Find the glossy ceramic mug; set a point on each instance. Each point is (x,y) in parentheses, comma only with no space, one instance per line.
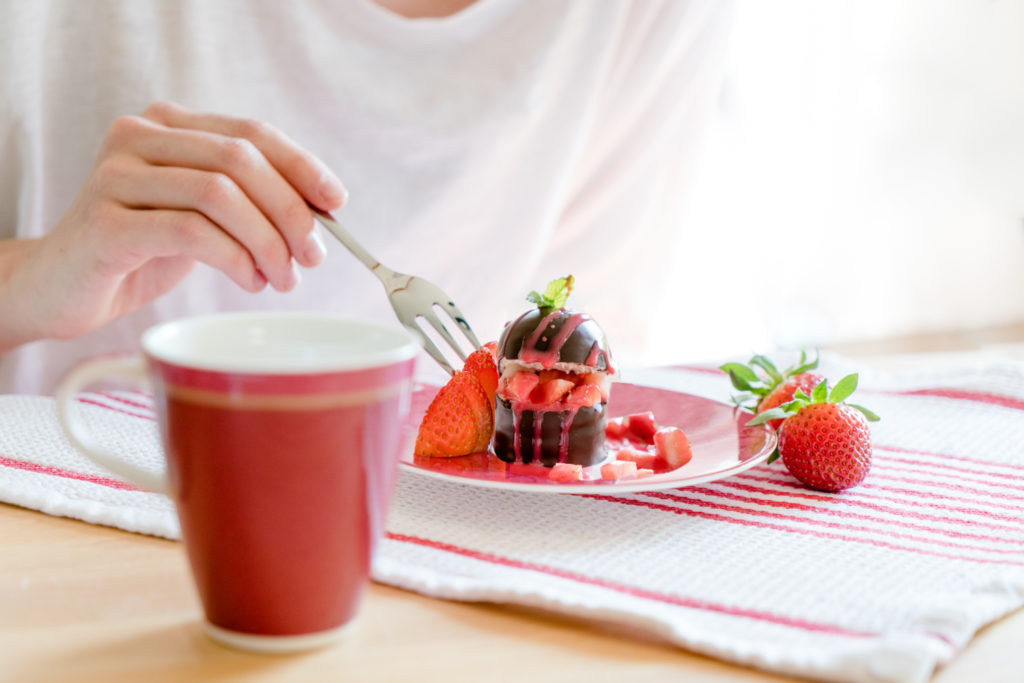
(282,433)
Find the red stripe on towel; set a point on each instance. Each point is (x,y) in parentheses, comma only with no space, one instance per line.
(961,395)
(797,530)
(914,497)
(779,517)
(128,401)
(679,601)
(844,514)
(94,402)
(67,474)
(848,500)
(943,459)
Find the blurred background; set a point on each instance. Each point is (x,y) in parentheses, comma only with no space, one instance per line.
(863,179)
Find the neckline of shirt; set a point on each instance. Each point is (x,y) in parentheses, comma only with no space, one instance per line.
(466,22)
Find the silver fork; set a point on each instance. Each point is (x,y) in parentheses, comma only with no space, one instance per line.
(411,297)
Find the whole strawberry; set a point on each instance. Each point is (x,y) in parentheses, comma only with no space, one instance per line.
(786,392)
(824,442)
(763,386)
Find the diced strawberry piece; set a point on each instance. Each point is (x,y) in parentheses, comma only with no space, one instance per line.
(629,453)
(492,348)
(615,428)
(600,380)
(551,391)
(520,385)
(585,395)
(564,471)
(641,458)
(642,426)
(619,469)
(673,445)
(481,365)
(644,473)
(548,375)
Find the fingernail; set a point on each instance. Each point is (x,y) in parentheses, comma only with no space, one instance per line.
(296,275)
(315,249)
(332,191)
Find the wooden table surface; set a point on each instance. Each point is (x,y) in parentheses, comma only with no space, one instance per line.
(80,602)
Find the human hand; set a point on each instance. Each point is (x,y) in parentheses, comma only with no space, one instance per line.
(170,188)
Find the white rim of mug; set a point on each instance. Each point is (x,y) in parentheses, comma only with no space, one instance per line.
(401,346)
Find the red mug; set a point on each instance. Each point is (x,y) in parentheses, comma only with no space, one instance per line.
(282,433)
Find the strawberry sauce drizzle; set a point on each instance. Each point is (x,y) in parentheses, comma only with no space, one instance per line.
(595,353)
(538,424)
(547,358)
(566,418)
(517,439)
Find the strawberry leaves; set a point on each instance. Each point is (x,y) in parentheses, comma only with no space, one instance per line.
(555,294)
(843,389)
(760,377)
(820,394)
(868,415)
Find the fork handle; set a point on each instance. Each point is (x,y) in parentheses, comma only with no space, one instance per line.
(343,235)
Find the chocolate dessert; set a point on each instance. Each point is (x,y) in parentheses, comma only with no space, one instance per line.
(552,397)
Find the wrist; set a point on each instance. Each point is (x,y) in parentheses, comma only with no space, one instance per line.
(17,311)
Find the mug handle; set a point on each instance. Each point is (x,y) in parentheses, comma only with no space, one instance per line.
(130,369)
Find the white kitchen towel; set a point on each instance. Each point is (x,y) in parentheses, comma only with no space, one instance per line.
(883,582)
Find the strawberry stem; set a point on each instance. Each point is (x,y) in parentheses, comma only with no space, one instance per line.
(820,394)
(760,376)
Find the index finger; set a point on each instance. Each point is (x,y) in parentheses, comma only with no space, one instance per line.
(303,171)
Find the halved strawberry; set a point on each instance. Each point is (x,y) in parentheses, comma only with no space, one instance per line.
(459,421)
(672,444)
(481,364)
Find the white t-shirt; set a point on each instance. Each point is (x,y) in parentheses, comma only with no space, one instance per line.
(489,151)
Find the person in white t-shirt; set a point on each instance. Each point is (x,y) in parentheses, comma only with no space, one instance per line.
(488,146)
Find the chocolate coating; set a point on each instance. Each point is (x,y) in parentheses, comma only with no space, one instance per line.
(586,436)
(586,344)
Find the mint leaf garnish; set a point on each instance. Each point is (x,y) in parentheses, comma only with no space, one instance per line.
(555,294)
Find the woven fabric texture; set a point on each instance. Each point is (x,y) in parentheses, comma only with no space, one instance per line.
(884,582)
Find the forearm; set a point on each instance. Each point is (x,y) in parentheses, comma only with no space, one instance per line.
(17,320)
